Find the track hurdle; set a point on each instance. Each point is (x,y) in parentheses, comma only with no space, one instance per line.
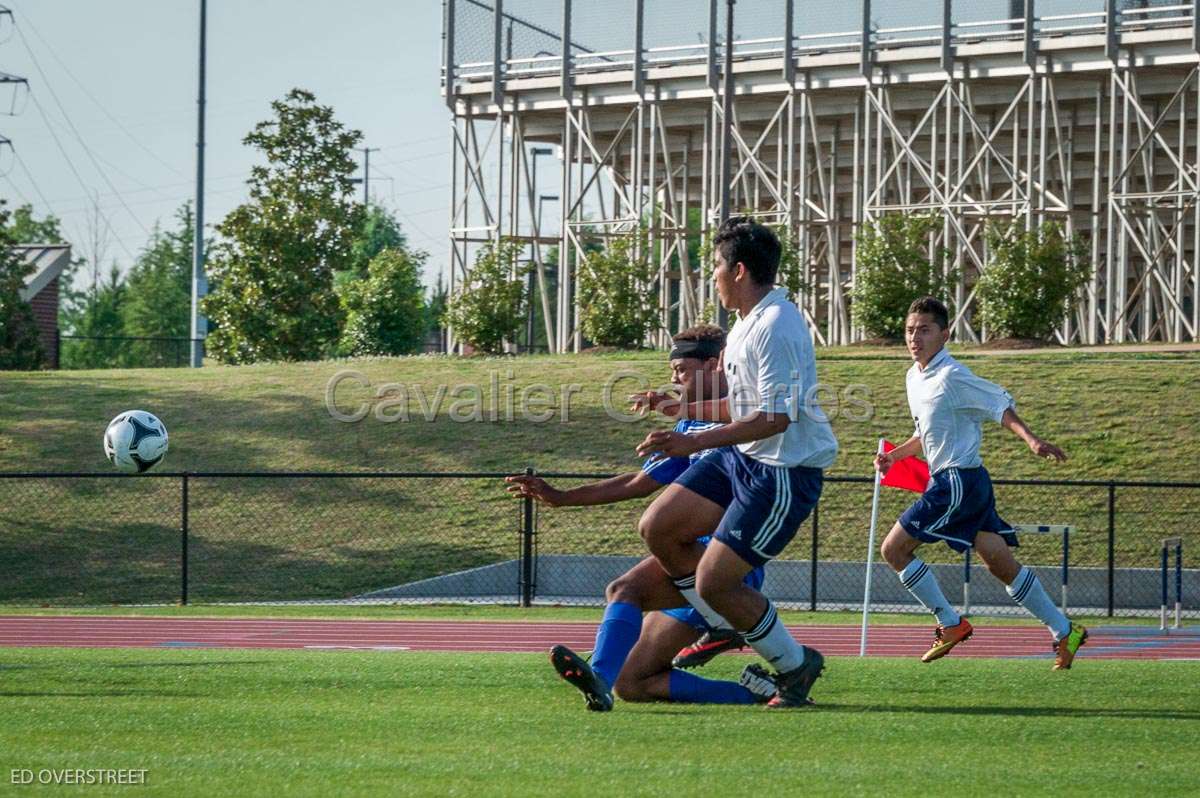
(1066,530)
(1167,545)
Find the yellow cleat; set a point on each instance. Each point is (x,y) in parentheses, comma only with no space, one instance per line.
(1064,650)
(946,638)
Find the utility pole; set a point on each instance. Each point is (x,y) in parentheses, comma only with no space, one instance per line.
(366,178)
(199,279)
(727,111)
(726,132)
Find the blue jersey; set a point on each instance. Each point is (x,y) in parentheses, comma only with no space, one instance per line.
(665,470)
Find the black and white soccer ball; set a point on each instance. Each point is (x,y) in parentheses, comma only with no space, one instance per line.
(135,441)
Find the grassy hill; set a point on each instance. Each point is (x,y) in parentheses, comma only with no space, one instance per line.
(1118,415)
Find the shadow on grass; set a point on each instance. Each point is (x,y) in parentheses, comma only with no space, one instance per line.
(272,560)
(104,694)
(1017,712)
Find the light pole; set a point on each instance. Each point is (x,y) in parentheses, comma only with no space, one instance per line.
(726,132)
(542,198)
(199,326)
(536,152)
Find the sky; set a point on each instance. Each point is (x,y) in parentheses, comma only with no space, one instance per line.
(105,137)
(116,84)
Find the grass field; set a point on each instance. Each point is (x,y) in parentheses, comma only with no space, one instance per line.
(80,541)
(369,723)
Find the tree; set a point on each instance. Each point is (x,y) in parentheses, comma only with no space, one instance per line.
(19,345)
(489,307)
(435,311)
(272,273)
(618,303)
(377,230)
(100,318)
(895,266)
(1031,279)
(158,301)
(385,313)
(27,230)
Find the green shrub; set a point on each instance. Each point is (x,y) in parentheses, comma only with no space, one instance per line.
(618,296)
(1031,280)
(489,308)
(894,268)
(385,312)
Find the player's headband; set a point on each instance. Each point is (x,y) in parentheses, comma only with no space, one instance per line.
(701,350)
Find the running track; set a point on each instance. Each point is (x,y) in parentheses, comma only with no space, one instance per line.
(1115,642)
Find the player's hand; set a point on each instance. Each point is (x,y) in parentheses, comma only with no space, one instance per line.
(667,443)
(883,462)
(536,488)
(1047,450)
(656,401)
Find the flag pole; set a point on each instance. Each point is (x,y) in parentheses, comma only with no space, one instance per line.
(862,643)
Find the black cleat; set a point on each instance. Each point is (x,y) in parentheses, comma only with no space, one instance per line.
(575,670)
(710,644)
(759,681)
(792,687)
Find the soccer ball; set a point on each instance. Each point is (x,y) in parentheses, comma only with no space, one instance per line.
(135,441)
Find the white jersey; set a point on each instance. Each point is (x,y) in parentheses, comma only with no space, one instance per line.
(948,405)
(770,367)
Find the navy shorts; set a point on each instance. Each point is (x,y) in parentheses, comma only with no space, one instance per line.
(957,503)
(694,619)
(764,504)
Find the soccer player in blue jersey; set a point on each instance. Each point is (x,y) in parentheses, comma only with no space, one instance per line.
(766,473)
(948,404)
(641,660)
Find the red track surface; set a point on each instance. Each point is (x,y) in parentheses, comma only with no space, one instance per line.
(518,636)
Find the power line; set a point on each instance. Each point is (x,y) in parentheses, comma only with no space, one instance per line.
(158,188)
(71,125)
(92,97)
(37,189)
(71,164)
(20,193)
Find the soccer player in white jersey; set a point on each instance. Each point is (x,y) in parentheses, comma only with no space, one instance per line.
(766,473)
(635,657)
(948,404)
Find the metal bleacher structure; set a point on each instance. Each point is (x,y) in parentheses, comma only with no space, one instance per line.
(1077,111)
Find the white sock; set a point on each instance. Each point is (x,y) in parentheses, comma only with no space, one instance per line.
(920,581)
(1027,591)
(773,643)
(687,586)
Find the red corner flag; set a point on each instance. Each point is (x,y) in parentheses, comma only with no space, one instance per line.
(907,474)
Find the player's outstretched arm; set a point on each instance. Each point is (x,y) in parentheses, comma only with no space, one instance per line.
(909,448)
(1012,422)
(633,485)
(677,444)
(670,406)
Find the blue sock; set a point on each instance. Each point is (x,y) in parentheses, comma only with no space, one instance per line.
(688,688)
(618,632)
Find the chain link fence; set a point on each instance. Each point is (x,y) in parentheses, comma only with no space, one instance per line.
(123,352)
(98,539)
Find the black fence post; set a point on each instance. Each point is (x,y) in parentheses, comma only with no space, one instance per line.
(526,597)
(183,546)
(1112,542)
(812,581)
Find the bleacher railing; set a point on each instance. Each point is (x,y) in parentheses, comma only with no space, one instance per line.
(501,40)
